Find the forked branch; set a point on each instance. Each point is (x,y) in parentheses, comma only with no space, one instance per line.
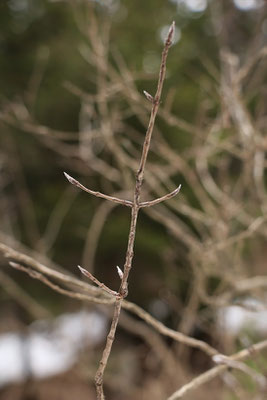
(136,205)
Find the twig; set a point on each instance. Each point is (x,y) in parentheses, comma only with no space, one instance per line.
(160,199)
(56,218)
(254,226)
(164,330)
(123,291)
(251,283)
(94,231)
(140,172)
(224,360)
(37,275)
(22,297)
(94,296)
(170,365)
(97,282)
(19,257)
(98,194)
(213,372)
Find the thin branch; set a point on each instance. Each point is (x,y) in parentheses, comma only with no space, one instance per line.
(19,257)
(74,182)
(160,199)
(99,377)
(252,283)
(253,227)
(164,330)
(56,218)
(22,297)
(140,172)
(97,282)
(31,127)
(221,359)
(123,291)
(94,296)
(37,275)
(213,372)
(170,365)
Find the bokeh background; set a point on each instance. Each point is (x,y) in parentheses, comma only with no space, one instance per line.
(72,75)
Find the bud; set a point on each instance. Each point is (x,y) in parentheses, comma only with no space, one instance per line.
(170,34)
(119,272)
(83,271)
(70,179)
(148,96)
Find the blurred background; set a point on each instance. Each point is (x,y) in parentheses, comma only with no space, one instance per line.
(72,75)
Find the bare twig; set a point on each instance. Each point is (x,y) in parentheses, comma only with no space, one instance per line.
(140,172)
(68,280)
(98,194)
(221,359)
(95,295)
(97,282)
(57,217)
(164,330)
(212,373)
(123,291)
(94,231)
(225,207)
(160,199)
(75,295)
(22,297)
(251,283)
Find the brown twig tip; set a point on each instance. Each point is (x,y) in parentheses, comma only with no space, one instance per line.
(14,264)
(148,96)
(83,271)
(70,179)
(160,199)
(170,36)
(178,189)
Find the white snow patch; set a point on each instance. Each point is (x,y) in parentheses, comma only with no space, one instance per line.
(49,348)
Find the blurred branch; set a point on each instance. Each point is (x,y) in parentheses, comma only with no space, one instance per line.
(96,296)
(22,297)
(218,370)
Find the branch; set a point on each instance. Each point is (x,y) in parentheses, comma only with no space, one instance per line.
(42,270)
(68,280)
(160,199)
(74,182)
(213,372)
(37,275)
(123,291)
(252,283)
(164,330)
(22,297)
(224,360)
(195,383)
(97,282)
